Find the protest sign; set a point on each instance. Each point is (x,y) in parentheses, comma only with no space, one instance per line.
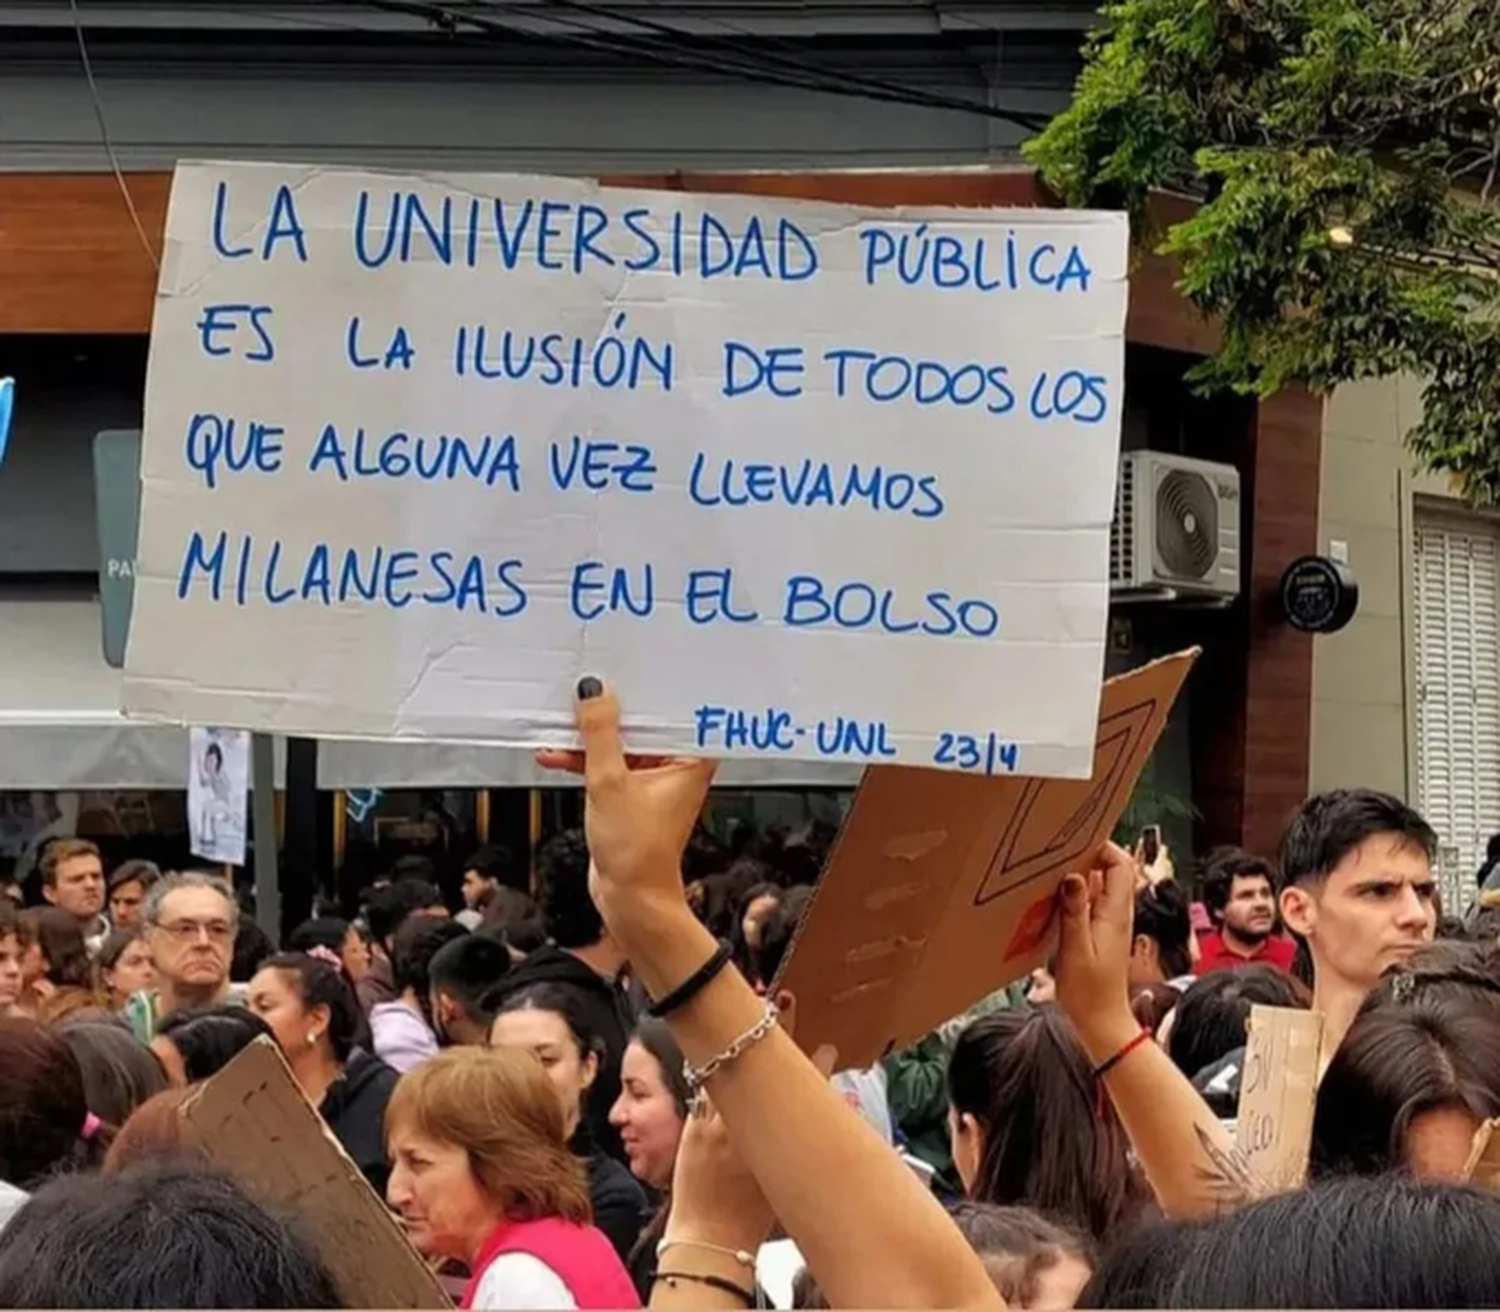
(941,888)
(253,1122)
(218,794)
(1278,1092)
(802,481)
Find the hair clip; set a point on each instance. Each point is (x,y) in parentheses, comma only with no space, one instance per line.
(1403,986)
(326,955)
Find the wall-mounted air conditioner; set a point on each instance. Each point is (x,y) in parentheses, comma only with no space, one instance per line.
(1177,527)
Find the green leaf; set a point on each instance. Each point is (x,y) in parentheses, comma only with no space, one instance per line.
(1296,120)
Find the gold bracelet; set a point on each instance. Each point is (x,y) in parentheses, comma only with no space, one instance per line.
(697,1077)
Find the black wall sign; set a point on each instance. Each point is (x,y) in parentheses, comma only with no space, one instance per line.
(1318,595)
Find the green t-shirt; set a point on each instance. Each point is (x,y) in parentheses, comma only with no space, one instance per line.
(142,1011)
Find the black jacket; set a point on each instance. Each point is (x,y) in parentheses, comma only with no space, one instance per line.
(607,1012)
(354,1108)
(616,1197)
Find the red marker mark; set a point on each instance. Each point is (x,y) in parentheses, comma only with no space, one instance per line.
(1031,933)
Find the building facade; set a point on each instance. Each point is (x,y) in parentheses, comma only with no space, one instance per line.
(857,103)
(1407,698)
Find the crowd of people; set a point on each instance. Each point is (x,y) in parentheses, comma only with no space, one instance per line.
(583,1090)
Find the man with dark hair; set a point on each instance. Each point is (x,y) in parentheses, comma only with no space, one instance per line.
(1357,889)
(388,909)
(73,879)
(462,976)
(401,1031)
(581,957)
(1161,952)
(1239,892)
(488,898)
(128,885)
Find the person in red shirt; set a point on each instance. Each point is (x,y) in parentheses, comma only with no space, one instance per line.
(1238,891)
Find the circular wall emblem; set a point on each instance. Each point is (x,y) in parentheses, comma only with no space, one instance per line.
(1318,595)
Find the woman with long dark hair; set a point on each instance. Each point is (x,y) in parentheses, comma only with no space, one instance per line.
(58,973)
(548,1021)
(650,1114)
(1418,1071)
(1029,1128)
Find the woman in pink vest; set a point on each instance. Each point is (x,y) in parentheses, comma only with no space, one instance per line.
(481,1172)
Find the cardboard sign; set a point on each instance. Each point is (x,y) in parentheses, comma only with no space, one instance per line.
(942,889)
(254,1123)
(803,481)
(1278,1093)
(1483,1168)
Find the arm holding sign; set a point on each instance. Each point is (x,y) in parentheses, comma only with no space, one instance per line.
(892,1246)
(1189,1157)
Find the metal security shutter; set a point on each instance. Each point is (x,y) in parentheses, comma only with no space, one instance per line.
(1457,595)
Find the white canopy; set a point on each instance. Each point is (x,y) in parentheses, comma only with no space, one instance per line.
(61,728)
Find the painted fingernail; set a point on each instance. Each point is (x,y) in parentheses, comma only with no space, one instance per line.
(589,688)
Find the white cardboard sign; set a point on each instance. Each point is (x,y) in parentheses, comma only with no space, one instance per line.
(799,480)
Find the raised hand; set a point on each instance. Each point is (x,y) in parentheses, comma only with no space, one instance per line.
(639,813)
(1093,954)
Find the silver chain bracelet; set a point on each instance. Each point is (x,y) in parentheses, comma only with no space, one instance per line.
(697,1077)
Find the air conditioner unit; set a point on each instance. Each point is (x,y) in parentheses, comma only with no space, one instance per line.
(1177,527)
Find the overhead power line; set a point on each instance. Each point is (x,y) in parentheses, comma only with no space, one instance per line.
(672,47)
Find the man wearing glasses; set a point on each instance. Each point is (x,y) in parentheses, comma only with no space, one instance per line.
(190,921)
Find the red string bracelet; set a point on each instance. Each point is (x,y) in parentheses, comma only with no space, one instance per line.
(1109,1063)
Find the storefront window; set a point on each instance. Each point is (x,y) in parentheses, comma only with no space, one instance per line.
(445,826)
(763,809)
(381,827)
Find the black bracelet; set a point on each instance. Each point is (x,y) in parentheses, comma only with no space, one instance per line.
(693,985)
(712,1282)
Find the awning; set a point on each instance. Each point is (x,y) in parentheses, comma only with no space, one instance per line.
(439,765)
(61,728)
(60,722)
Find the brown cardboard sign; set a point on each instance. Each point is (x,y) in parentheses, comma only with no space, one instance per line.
(254,1122)
(1278,1092)
(1483,1169)
(942,886)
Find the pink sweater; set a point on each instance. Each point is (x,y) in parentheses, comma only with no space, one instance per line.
(582,1257)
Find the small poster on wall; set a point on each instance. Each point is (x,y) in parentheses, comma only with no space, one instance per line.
(218,792)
